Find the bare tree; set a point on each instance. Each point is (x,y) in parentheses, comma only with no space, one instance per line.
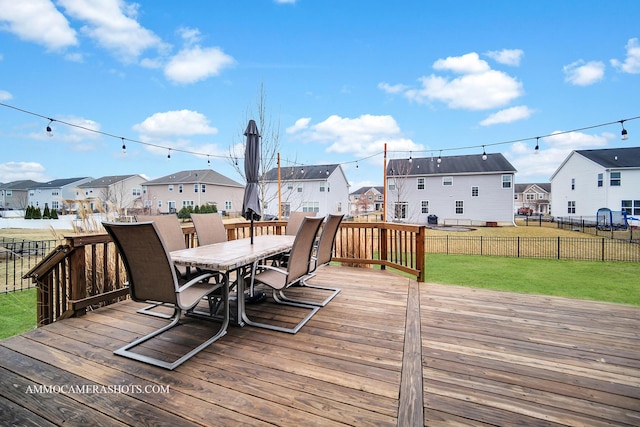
(399,173)
(269,143)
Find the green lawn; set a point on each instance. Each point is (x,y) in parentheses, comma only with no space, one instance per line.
(17,312)
(601,281)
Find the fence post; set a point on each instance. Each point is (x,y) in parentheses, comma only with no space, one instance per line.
(558,247)
(603,249)
(518,246)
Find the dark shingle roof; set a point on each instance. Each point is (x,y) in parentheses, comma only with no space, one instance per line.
(59,183)
(24,184)
(450,165)
(204,176)
(363,190)
(105,181)
(299,173)
(614,157)
(546,186)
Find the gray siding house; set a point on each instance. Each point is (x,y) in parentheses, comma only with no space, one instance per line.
(463,190)
(59,194)
(15,195)
(119,192)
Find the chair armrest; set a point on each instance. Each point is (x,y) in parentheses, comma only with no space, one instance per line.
(195,280)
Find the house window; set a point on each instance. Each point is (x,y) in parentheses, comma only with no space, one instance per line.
(299,188)
(195,188)
(615,179)
(187,203)
(203,188)
(392,184)
(9,193)
(573,183)
(571,206)
(339,206)
(310,206)
(171,187)
(425,206)
(506,181)
(147,203)
(600,179)
(144,189)
(447,180)
(631,207)
(531,196)
(159,203)
(420,183)
(459,207)
(356,197)
(136,192)
(227,205)
(55,205)
(541,196)
(322,187)
(180,188)
(289,186)
(475,191)
(286,210)
(400,209)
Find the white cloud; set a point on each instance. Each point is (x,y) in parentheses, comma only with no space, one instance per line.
(16,171)
(175,123)
(581,73)
(112,24)
(507,56)
(508,115)
(286,1)
(465,64)
(361,136)
(631,63)
(195,63)
(478,91)
(386,87)
(299,125)
(37,21)
(5,96)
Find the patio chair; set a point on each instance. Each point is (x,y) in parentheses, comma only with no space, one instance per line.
(279,279)
(152,278)
(209,228)
(294,222)
(171,231)
(322,257)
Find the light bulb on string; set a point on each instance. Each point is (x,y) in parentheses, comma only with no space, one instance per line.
(537,149)
(169,154)
(208,161)
(49,130)
(124,147)
(410,157)
(484,153)
(439,158)
(624,133)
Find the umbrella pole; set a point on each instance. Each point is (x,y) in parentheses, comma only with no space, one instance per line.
(251,232)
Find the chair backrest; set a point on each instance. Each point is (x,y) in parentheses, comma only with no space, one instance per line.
(327,239)
(295,221)
(300,255)
(169,228)
(209,228)
(147,260)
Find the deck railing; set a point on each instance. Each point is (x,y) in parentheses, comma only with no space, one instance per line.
(86,271)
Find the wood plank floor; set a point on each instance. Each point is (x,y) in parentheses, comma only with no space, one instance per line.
(386,351)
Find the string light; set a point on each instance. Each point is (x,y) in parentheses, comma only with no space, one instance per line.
(169,155)
(410,157)
(624,136)
(439,158)
(537,149)
(208,161)
(124,147)
(49,130)
(484,154)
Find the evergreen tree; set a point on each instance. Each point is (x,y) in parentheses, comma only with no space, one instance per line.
(47,213)
(54,214)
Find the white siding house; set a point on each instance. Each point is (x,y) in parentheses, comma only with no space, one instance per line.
(59,194)
(588,180)
(171,193)
(457,189)
(322,189)
(119,191)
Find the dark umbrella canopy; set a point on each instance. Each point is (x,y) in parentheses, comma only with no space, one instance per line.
(251,204)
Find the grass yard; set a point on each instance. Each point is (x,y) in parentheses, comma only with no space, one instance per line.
(595,280)
(17,312)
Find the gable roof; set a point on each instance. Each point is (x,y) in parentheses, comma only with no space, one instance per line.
(450,165)
(363,190)
(301,173)
(105,181)
(199,176)
(613,158)
(59,183)
(23,184)
(520,188)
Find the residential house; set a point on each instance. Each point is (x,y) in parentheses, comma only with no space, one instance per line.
(322,189)
(15,194)
(535,196)
(59,194)
(588,180)
(171,193)
(468,189)
(119,192)
(365,200)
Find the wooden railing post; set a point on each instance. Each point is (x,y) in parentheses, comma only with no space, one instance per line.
(383,244)
(77,276)
(421,256)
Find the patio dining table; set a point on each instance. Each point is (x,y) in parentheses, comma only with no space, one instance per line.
(234,255)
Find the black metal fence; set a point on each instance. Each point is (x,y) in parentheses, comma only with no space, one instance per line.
(579,248)
(18,256)
(583,224)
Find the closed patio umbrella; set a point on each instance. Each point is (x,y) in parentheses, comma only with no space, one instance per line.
(251,203)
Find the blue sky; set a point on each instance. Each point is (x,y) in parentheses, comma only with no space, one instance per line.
(341,79)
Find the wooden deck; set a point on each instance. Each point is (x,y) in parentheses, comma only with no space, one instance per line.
(385,351)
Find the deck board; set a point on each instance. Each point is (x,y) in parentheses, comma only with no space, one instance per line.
(386,351)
